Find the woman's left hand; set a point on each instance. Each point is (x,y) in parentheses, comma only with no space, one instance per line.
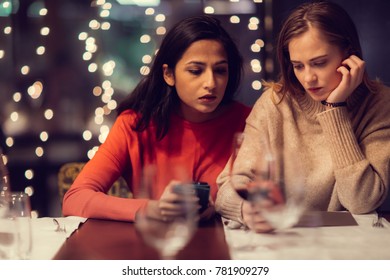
(352,71)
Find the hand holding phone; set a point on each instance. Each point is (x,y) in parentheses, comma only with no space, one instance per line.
(200,189)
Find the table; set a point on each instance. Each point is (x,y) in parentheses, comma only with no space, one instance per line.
(114,240)
(341,236)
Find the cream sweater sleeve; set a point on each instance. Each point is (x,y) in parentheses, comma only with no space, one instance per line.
(360,154)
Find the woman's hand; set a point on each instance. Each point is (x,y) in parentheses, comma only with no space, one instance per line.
(169,206)
(352,71)
(253,219)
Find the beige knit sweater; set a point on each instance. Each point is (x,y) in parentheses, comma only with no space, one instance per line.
(343,153)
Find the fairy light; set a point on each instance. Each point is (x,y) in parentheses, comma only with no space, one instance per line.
(92,152)
(234,19)
(87,56)
(99,119)
(256,85)
(44,136)
(6,4)
(25,70)
(29,190)
(43,12)
(99,111)
(161,30)
(149,11)
(7,30)
(109,91)
(83,36)
(14,116)
(2,53)
(92,67)
(29,174)
(106,84)
(105,25)
(146,59)
(40,50)
(145,39)
(103,133)
(144,70)
(105,13)
(9,141)
(256,65)
(107,6)
(45,31)
(94,24)
(17,96)
(209,10)
(160,18)
(39,151)
(112,105)
(253,23)
(97,91)
(35,90)
(48,114)
(87,135)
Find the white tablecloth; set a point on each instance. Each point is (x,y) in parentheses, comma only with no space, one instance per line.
(330,243)
(46,240)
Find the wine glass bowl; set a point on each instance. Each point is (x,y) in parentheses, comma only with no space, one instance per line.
(279,188)
(167,237)
(273,186)
(170,234)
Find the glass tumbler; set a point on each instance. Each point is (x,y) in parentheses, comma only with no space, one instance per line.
(21,214)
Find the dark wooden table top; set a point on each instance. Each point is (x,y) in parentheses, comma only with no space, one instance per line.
(113,240)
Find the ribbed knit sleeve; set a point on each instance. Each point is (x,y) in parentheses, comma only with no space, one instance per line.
(228,203)
(358,140)
(337,128)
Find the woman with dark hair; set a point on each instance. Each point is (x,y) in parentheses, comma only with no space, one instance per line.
(325,112)
(182,114)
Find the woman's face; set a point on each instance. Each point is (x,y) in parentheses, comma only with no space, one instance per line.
(315,62)
(200,78)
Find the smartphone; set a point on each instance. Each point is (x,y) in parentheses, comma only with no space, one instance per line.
(202,191)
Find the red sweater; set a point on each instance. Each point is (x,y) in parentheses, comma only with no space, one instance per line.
(201,149)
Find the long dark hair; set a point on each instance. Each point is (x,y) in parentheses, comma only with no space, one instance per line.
(152,98)
(336,25)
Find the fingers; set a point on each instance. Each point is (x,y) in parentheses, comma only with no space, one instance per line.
(177,200)
(254,220)
(352,72)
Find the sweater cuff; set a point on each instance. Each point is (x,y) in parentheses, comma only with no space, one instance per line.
(230,204)
(341,138)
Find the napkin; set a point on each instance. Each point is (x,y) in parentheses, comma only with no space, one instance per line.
(46,240)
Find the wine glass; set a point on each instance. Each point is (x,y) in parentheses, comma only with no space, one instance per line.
(280,185)
(169,236)
(240,181)
(21,214)
(261,180)
(7,227)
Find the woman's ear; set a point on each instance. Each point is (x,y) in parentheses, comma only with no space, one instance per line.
(169,77)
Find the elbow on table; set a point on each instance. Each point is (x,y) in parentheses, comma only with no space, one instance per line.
(70,205)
